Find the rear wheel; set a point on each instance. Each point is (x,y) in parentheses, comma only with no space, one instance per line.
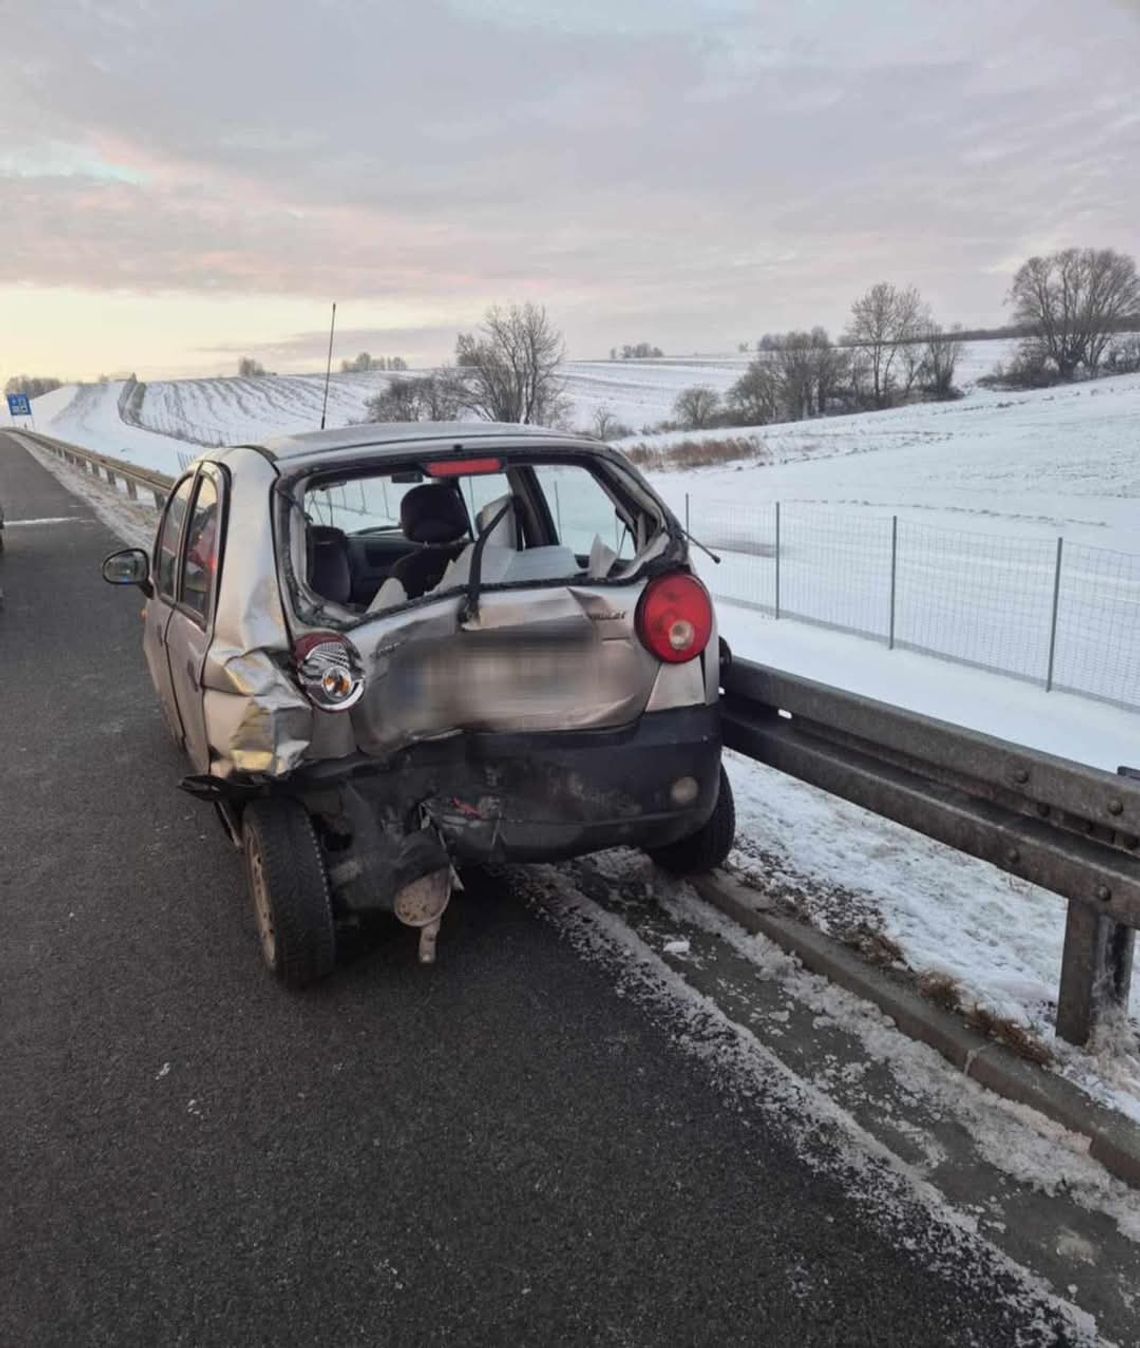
(287,882)
(709,846)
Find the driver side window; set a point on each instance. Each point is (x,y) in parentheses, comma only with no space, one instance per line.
(170,538)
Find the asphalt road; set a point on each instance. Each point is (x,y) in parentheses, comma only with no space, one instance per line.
(502,1149)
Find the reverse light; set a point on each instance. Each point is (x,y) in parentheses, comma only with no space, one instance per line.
(329,671)
(675,618)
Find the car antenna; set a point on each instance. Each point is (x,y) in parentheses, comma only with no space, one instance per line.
(707,551)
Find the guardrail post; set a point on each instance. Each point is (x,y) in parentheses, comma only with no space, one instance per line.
(894,575)
(132,490)
(1096,971)
(159,498)
(777,559)
(1053,624)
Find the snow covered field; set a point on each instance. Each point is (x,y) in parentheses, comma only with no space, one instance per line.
(225,411)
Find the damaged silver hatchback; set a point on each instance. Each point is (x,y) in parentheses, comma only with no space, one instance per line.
(390,650)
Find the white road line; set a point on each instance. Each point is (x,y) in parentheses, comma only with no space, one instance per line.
(49,519)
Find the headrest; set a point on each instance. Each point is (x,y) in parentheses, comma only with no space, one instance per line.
(504,534)
(433,513)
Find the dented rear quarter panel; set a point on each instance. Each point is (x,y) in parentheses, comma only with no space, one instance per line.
(561,657)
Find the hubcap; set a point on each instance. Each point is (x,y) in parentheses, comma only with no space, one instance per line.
(260,890)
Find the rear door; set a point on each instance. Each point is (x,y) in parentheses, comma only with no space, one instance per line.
(192,617)
(156,615)
(538,657)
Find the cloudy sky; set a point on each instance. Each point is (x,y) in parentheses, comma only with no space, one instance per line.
(183,181)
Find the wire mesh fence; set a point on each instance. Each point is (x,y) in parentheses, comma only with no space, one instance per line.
(1063,615)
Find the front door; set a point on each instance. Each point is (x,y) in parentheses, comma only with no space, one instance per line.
(160,606)
(191,621)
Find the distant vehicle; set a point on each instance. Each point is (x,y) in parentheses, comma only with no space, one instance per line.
(388,650)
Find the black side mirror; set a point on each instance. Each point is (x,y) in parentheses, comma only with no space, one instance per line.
(129,567)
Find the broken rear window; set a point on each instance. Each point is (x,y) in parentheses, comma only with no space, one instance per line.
(376,541)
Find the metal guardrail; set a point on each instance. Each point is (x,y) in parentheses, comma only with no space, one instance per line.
(1071,829)
(134,480)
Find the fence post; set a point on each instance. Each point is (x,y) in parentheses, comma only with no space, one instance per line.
(558,511)
(777,559)
(1096,971)
(894,576)
(1053,624)
(687,512)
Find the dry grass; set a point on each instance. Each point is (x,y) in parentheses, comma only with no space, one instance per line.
(874,945)
(1016,1037)
(941,989)
(707,453)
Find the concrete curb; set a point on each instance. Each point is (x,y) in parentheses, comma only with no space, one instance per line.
(1114,1140)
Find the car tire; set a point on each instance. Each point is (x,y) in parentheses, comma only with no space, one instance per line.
(289,887)
(709,846)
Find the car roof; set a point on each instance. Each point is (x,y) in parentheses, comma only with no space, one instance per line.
(400,436)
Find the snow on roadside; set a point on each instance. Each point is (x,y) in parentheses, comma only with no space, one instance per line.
(1063,724)
(997,937)
(133,521)
(1016,1139)
(824,1134)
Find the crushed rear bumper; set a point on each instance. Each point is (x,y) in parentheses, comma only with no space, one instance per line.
(544,797)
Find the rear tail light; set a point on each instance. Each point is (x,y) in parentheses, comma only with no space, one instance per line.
(675,618)
(329,670)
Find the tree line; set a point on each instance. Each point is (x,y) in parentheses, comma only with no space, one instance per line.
(892,351)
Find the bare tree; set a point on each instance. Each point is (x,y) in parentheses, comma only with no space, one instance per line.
(831,369)
(795,366)
(248,368)
(430,397)
(1123,355)
(397,401)
(696,408)
(1073,301)
(796,375)
(941,351)
(754,399)
(882,321)
(510,367)
(606,426)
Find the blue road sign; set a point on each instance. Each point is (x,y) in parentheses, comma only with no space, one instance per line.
(18,405)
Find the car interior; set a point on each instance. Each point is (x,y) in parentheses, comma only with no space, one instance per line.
(380,568)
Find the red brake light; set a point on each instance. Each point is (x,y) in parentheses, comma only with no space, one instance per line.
(675,618)
(329,670)
(463,467)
